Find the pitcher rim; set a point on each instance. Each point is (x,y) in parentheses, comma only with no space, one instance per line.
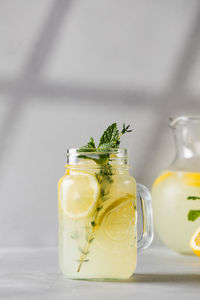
(174,122)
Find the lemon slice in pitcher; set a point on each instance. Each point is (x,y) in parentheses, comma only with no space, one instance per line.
(79,194)
(195,242)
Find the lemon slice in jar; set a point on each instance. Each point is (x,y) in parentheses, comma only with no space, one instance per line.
(118,222)
(118,218)
(195,242)
(79,194)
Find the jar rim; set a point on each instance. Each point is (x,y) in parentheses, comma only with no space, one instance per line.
(121,152)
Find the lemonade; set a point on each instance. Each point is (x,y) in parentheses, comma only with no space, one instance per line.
(171,207)
(97,222)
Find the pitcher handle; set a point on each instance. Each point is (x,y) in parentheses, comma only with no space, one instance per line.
(145,200)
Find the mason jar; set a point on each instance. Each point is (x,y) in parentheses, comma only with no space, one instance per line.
(97,204)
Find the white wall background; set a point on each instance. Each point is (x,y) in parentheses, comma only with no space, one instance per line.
(68,68)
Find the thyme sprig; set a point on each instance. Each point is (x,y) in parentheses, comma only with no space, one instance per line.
(109,140)
(90,230)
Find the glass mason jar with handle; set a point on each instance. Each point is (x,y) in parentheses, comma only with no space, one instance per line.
(176,191)
(98,216)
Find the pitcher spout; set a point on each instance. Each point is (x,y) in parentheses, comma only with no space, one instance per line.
(186,131)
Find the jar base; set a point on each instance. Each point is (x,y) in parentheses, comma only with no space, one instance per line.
(97,279)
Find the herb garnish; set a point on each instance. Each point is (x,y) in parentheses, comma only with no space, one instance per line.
(193,214)
(109,140)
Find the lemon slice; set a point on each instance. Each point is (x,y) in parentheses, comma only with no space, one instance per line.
(162,177)
(195,242)
(119,221)
(192,179)
(79,194)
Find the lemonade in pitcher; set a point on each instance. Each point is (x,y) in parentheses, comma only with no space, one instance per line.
(97,211)
(175,208)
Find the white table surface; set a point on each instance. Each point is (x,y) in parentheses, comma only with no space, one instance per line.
(33,273)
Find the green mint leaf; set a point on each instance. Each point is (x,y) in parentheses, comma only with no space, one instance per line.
(103,159)
(106,147)
(193,198)
(91,143)
(193,215)
(110,135)
(90,147)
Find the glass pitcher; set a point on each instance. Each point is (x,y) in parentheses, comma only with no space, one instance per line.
(175,192)
(98,217)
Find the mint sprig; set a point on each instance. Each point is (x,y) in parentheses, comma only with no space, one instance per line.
(89,147)
(193,214)
(109,140)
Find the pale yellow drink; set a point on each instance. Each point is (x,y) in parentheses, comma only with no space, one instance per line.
(171,207)
(100,243)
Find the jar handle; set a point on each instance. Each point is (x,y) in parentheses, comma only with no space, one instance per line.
(144,197)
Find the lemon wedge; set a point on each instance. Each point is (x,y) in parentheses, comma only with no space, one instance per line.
(79,194)
(195,242)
